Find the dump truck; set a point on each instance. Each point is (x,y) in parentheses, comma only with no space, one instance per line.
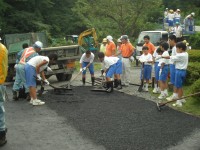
(67,55)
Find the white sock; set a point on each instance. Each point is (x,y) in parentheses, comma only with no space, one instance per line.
(162,92)
(175,95)
(165,90)
(146,85)
(155,86)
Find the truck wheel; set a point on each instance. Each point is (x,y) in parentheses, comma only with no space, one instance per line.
(61,76)
(68,77)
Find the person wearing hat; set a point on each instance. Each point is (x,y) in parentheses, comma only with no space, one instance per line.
(178,32)
(103,45)
(166,12)
(177,16)
(126,52)
(171,19)
(189,22)
(110,47)
(26,55)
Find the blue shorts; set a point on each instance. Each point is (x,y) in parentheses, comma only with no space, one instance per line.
(156,69)
(30,74)
(147,72)
(171,23)
(164,73)
(179,78)
(114,69)
(91,67)
(118,69)
(172,73)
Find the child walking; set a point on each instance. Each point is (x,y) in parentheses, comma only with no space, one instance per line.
(147,59)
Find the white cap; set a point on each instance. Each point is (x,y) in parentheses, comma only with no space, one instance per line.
(38,44)
(178,10)
(192,13)
(109,38)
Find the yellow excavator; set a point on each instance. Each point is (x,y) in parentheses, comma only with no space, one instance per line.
(88,40)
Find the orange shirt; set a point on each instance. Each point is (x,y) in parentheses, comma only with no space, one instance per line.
(151,47)
(127,49)
(110,49)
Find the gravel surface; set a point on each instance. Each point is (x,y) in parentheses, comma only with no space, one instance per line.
(86,120)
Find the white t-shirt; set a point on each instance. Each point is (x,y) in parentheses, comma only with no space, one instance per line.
(37,60)
(156,56)
(163,60)
(145,58)
(173,54)
(109,61)
(178,31)
(170,16)
(177,15)
(85,59)
(181,60)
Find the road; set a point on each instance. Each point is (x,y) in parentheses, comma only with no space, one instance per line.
(86,120)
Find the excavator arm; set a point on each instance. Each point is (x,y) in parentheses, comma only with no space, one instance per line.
(86,34)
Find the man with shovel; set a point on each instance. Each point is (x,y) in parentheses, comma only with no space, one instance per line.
(86,61)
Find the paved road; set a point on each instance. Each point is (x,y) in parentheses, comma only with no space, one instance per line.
(98,121)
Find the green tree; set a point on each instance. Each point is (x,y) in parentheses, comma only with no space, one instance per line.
(118,17)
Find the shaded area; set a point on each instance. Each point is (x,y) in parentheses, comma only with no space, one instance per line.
(120,121)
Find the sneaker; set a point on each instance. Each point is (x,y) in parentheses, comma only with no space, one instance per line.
(31,101)
(177,104)
(155,90)
(183,100)
(170,98)
(146,89)
(38,102)
(161,96)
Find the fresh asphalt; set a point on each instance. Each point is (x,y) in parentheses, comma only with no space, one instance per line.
(90,120)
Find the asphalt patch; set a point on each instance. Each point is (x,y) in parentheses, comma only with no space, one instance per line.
(122,122)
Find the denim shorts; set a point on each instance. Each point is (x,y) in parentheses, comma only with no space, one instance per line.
(30,75)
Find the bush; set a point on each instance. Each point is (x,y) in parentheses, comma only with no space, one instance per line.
(196,87)
(194,55)
(194,40)
(193,72)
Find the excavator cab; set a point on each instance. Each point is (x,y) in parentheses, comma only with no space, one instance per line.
(72,39)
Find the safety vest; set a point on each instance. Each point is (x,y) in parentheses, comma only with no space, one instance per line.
(27,53)
(3,63)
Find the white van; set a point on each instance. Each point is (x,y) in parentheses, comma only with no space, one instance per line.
(155,38)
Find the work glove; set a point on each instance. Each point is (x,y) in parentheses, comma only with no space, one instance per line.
(84,68)
(38,77)
(160,72)
(49,70)
(15,66)
(131,58)
(46,82)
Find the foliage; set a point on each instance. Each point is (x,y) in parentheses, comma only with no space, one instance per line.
(117,17)
(194,55)
(196,86)
(194,40)
(193,72)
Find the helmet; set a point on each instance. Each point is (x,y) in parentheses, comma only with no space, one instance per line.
(119,40)
(38,44)
(192,13)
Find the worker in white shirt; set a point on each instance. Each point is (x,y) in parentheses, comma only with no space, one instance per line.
(178,32)
(86,61)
